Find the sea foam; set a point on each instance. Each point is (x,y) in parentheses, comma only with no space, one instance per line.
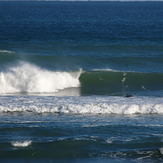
(26,77)
(82,105)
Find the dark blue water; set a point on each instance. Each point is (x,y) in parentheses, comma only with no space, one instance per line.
(65,71)
(93,22)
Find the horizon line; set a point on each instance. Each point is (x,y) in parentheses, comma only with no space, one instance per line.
(86,0)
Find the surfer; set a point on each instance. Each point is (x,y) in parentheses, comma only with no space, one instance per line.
(127,95)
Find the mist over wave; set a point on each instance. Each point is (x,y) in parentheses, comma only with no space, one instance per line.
(25,77)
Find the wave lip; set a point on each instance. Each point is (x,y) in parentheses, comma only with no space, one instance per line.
(29,78)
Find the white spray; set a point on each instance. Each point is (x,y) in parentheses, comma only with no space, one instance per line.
(124,86)
(27,77)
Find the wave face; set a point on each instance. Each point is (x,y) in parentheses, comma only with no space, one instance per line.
(26,77)
(121,82)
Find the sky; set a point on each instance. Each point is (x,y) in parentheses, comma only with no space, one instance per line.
(82,0)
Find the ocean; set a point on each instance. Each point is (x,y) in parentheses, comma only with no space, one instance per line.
(81,82)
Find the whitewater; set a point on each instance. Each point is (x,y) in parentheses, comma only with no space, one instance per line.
(82,105)
(28,78)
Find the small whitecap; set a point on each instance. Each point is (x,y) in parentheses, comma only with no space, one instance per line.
(161,151)
(6,51)
(21,144)
(109,141)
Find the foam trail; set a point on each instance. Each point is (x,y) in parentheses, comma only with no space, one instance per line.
(26,77)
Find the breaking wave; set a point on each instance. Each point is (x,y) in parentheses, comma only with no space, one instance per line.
(26,77)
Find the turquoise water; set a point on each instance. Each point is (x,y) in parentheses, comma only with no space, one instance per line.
(66,69)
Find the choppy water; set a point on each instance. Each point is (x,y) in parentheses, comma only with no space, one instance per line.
(65,71)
